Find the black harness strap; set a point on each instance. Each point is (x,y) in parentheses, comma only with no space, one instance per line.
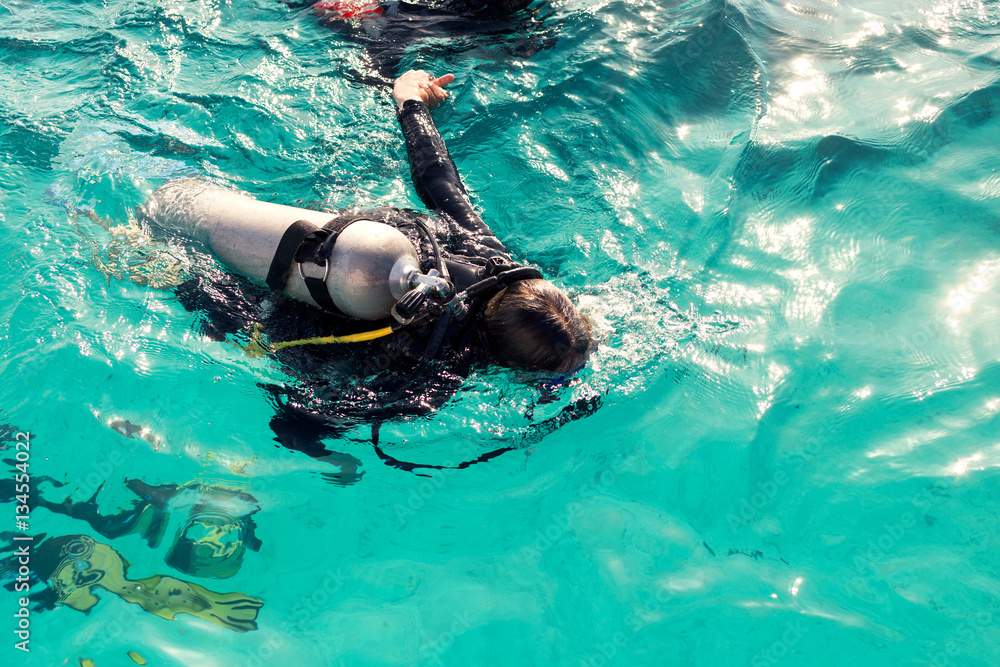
(304,242)
(412,467)
(277,274)
(311,250)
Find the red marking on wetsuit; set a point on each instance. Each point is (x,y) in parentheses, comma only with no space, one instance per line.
(333,10)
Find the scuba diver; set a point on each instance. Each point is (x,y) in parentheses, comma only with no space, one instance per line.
(387,29)
(213,524)
(446,294)
(216,528)
(69,570)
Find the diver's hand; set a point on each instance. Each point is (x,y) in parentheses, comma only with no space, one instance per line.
(419,85)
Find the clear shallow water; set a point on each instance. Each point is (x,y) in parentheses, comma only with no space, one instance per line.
(781,216)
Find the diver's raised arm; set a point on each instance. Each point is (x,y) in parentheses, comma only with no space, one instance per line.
(434,173)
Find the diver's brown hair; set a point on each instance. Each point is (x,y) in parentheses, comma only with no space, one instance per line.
(532,324)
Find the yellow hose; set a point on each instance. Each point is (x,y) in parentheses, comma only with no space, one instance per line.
(258,347)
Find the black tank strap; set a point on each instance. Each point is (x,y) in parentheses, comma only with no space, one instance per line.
(310,251)
(304,242)
(277,274)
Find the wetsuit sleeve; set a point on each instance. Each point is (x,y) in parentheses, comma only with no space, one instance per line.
(435,176)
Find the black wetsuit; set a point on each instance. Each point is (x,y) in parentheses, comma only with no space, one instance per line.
(342,385)
(454,25)
(339,387)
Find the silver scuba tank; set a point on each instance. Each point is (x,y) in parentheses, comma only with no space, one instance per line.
(369,266)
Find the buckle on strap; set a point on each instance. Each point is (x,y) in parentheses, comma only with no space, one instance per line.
(311,249)
(326,272)
(304,242)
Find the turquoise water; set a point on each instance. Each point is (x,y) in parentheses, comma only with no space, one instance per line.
(782,218)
